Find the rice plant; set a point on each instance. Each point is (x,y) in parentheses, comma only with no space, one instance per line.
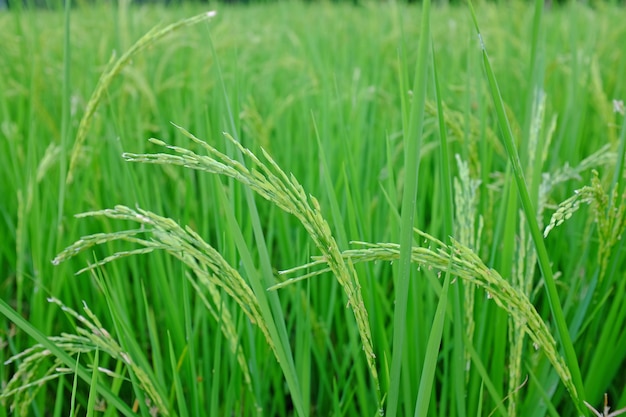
(396,222)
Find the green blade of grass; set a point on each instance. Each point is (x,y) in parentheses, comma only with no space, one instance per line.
(74,386)
(216,369)
(486,381)
(458,369)
(574,387)
(412,148)
(178,386)
(93,387)
(192,354)
(432,353)
(268,303)
(58,403)
(65,117)
(448,209)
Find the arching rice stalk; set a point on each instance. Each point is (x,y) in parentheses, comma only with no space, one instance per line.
(115,68)
(609,212)
(210,269)
(466,265)
(269,181)
(91,336)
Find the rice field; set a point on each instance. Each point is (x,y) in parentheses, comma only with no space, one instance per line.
(313,209)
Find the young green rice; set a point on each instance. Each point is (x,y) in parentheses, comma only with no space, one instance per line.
(250,260)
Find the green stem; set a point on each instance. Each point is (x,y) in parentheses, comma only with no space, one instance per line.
(577,393)
(412,148)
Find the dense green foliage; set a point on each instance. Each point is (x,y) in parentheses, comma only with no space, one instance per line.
(335,95)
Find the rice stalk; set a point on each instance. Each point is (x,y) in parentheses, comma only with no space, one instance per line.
(454,122)
(602,157)
(465,264)
(609,213)
(468,233)
(210,269)
(115,67)
(576,388)
(608,207)
(272,183)
(526,256)
(90,337)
